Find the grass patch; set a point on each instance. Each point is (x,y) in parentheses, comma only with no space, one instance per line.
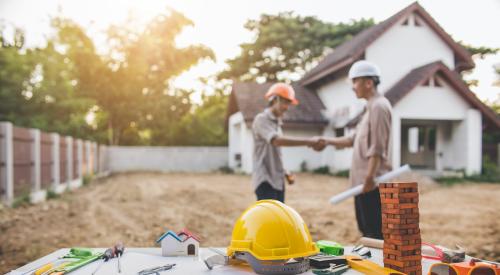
(23,200)
(51,195)
(323,170)
(226,170)
(87,179)
(342,174)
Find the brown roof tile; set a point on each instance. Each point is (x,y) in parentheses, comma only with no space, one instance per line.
(248,97)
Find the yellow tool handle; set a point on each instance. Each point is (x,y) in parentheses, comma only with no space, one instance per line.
(44,269)
(368,267)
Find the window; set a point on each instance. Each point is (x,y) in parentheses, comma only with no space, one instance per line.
(339,132)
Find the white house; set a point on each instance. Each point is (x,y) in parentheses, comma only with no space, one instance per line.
(437,121)
(182,244)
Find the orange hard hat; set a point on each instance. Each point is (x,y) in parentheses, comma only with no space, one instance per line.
(282,90)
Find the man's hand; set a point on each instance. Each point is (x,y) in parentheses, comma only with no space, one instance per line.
(369,184)
(318,143)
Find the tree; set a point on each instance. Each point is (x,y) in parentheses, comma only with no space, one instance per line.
(286,45)
(130,86)
(205,124)
(15,79)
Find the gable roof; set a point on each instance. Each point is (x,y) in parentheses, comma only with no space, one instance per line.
(169,233)
(353,50)
(419,75)
(188,234)
(248,98)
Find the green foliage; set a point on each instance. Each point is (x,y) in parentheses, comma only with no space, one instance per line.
(52,195)
(125,92)
(480,51)
(342,173)
(489,173)
(22,200)
(303,166)
(324,170)
(286,45)
(87,179)
(226,170)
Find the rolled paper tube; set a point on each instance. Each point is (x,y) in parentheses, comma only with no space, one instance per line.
(359,189)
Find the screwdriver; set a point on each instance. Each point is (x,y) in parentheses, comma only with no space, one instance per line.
(108,254)
(119,248)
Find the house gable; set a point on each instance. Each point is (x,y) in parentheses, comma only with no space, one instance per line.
(349,52)
(405,46)
(427,89)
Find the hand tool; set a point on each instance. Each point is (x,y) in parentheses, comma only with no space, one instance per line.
(322,261)
(108,254)
(156,270)
(119,249)
(330,247)
(368,267)
(79,262)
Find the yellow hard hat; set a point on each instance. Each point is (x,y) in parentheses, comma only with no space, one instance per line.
(271,230)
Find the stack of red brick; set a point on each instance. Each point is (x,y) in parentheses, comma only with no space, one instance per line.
(400,227)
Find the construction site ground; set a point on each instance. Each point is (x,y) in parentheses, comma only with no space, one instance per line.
(138,207)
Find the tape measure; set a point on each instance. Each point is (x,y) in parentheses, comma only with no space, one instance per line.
(330,247)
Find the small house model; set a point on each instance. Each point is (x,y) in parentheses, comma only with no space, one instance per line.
(182,244)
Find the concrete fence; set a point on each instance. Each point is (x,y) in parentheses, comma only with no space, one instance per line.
(166,159)
(33,162)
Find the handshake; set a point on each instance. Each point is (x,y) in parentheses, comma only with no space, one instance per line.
(317,143)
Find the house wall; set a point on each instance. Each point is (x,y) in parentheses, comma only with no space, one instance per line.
(458,141)
(293,157)
(403,48)
(437,103)
(340,101)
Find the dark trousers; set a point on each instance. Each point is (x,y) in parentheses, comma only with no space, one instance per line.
(266,192)
(368,214)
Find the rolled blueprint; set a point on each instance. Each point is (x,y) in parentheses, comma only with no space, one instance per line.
(359,189)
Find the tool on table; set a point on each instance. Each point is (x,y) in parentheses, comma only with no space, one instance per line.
(470,268)
(322,261)
(330,247)
(368,267)
(156,270)
(362,251)
(119,249)
(82,256)
(50,265)
(334,269)
(108,254)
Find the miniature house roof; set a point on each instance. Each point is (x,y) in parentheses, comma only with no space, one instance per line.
(183,235)
(187,234)
(169,233)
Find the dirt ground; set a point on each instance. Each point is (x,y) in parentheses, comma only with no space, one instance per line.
(138,207)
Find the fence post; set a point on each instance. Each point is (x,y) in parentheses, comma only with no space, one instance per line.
(69,163)
(57,187)
(37,195)
(79,157)
(94,158)
(79,161)
(87,153)
(7,158)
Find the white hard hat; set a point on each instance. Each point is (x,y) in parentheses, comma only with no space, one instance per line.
(363,68)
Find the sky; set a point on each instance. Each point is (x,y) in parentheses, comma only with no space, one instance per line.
(218,24)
